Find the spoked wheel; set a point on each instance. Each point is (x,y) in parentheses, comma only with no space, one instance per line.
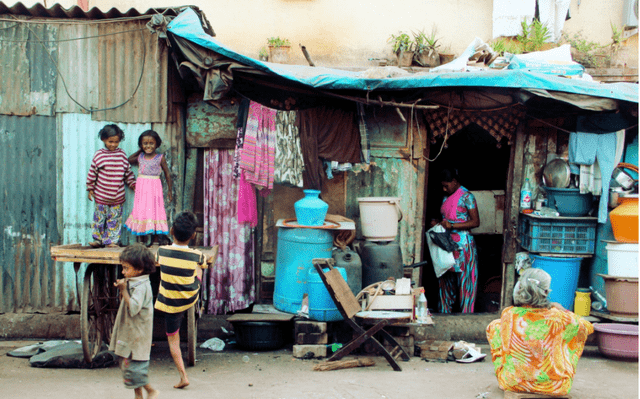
(192,334)
(99,305)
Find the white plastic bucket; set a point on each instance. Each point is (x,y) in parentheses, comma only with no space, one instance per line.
(622,259)
(379,217)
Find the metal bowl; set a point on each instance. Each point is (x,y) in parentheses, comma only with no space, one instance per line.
(557,174)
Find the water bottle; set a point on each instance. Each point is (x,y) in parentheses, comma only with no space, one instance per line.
(422,312)
(525,195)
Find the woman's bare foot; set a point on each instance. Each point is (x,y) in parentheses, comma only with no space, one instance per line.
(95,244)
(112,245)
(183,383)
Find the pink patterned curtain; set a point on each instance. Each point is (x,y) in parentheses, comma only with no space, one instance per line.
(229,285)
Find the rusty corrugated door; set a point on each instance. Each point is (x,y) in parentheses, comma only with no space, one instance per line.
(30,280)
(28,53)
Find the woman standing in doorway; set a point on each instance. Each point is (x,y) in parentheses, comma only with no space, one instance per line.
(459,215)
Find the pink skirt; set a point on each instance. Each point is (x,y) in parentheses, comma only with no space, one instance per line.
(148,215)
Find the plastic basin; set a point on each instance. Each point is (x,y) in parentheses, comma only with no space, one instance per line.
(261,335)
(622,259)
(622,295)
(569,201)
(617,340)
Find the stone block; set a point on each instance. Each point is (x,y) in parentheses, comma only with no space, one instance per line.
(312,339)
(310,327)
(303,351)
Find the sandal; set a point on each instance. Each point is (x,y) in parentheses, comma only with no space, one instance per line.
(471,356)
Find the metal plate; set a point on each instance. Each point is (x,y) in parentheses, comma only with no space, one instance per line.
(557,174)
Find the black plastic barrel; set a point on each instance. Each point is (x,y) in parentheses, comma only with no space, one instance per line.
(381,260)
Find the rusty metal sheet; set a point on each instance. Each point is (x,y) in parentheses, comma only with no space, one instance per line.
(389,177)
(387,131)
(207,125)
(77,63)
(28,54)
(29,279)
(132,74)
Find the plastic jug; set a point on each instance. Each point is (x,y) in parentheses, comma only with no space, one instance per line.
(582,303)
(350,261)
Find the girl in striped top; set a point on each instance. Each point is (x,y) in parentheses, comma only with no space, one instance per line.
(109,171)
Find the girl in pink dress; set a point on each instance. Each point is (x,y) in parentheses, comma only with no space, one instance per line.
(149,216)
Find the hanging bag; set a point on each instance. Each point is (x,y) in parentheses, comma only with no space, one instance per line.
(442,260)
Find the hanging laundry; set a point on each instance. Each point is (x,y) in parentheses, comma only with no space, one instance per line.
(327,133)
(258,152)
(247,204)
(365,147)
(230,285)
(289,164)
(553,13)
(241,125)
(507,15)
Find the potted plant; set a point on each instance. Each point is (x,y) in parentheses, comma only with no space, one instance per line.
(425,48)
(263,55)
(446,55)
(403,48)
(279,49)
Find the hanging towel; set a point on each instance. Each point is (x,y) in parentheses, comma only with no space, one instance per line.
(584,149)
(553,13)
(258,153)
(247,204)
(507,15)
(289,164)
(327,133)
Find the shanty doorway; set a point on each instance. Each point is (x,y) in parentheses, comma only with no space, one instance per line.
(482,163)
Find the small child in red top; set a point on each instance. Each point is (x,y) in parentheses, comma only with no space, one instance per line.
(109,171)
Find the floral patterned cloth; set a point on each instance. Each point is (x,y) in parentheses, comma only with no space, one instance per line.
(537,349)
(463,281)
(229,285)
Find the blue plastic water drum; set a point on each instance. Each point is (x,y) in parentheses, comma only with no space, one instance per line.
(321,305)
(296,249)
(564,274)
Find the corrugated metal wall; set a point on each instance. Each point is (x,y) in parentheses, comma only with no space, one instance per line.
(29,279)
(390,177)
(79,143)
(27,70)
(128,63)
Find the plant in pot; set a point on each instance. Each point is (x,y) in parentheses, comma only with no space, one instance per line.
(446,55)
(403,48)
(263,55)
(585,52)
(425,48)
(279,49)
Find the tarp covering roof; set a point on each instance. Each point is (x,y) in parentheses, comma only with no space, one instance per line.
(187,26)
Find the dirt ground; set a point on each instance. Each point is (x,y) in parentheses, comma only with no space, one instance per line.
(276,374)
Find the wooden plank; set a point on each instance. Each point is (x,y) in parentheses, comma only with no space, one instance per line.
(343,364)
(514,182)
(391,302)
(528,395)
(78,253)
(240,317)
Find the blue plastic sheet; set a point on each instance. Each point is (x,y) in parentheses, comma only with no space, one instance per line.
(187,25)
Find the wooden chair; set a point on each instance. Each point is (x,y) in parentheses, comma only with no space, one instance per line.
(349,307)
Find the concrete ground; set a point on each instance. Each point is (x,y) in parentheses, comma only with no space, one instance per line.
(276,374)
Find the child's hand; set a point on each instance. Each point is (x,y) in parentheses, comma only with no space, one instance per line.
(121,284)
(91,195)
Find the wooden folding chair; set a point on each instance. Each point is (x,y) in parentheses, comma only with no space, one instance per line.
(349,307)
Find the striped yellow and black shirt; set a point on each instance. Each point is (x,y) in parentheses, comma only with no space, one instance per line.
(179,285)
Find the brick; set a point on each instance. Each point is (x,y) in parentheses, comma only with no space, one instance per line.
(310,327)
(434,349)
(312,339)
(317,350)
(404,341)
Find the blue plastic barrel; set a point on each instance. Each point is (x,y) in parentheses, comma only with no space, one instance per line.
(321,305)
(296,249)
(564,274)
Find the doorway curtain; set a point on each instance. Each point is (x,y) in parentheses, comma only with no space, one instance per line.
(229,284)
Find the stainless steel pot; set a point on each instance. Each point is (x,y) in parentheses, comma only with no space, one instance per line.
(622,178)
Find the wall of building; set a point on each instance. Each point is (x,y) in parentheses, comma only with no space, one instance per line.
(350,33)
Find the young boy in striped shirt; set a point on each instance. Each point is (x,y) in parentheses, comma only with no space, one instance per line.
(109,171)
(180,280)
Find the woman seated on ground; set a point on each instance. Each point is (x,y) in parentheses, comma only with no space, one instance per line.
(536,344)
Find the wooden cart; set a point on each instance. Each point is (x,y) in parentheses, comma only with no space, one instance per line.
(100,299)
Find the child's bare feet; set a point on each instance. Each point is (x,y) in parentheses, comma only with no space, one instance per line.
(152,393)
(183,383)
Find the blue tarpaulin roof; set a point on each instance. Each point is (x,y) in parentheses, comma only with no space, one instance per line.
(187,25)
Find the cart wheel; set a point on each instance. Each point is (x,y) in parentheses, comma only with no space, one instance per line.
(192,335)
(99,305)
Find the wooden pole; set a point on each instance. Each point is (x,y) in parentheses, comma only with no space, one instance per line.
(344,364)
